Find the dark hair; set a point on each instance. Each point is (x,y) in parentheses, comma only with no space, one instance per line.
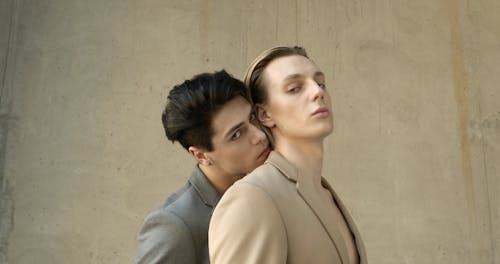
(253,76)
(190,107)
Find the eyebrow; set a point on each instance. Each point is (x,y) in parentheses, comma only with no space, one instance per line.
(298,76)
(292,77)
(319,74)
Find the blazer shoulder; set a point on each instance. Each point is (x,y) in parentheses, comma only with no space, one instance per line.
(269,179)
(164,222)
(176,231)
(164,237)
(189,206)
(264,175)
(234,224)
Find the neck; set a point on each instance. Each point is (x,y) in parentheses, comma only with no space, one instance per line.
(219,180)
(306,156)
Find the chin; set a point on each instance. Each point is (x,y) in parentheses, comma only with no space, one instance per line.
(330,130)
(327,129)
(320,134)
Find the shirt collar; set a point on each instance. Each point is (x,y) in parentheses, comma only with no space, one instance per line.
(207,192)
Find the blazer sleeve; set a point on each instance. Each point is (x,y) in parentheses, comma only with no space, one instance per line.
(246,228)
(165,238)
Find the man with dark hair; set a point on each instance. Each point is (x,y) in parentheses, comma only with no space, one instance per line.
(210,116)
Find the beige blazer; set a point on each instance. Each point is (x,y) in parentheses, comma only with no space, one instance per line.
(275,216)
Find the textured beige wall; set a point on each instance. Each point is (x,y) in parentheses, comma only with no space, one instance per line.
(7,49)
(415,153)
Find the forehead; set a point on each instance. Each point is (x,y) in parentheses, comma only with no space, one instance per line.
(279,69)
(232,113)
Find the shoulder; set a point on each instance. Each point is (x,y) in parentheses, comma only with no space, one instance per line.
(161,221)
(265,176)
(257,193)
(243,203)
(162,236)
(183,209)
(186,204)
(247,215)
(249,195)
(269,180)
(175,230)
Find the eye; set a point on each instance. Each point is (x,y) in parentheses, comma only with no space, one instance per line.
(322,85)
(294,90)
(236,135)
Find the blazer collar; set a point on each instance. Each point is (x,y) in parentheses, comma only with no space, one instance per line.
(308,192)
(350,222)
(204,188)
(283,165)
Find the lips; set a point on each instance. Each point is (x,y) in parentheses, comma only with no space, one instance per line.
(322,111)
(264,153)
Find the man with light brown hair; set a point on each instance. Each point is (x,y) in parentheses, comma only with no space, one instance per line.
(285,211)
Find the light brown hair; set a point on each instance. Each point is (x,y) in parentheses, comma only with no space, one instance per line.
(254,75)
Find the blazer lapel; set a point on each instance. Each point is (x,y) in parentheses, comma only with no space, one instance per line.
(308,193)
(350,222)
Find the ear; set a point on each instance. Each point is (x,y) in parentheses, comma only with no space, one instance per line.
(263,116)
(200,155)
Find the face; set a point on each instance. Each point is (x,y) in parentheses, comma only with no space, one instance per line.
(239,146)
(298,104)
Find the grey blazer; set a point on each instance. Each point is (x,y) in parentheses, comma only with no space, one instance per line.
(177,232)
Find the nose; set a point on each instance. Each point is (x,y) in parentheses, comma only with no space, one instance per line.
(258,136)
(318,91)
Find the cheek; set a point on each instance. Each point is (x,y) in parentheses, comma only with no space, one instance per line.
(236,152)
(224,153)
(281,108)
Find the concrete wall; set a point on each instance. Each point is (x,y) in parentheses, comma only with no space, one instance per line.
(415,153)
(7,51)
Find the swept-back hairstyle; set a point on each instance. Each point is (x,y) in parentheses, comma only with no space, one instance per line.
(254,79)
(254,74)
(191,105)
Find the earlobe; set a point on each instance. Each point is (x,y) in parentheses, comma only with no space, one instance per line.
(200,155)
(263,116)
